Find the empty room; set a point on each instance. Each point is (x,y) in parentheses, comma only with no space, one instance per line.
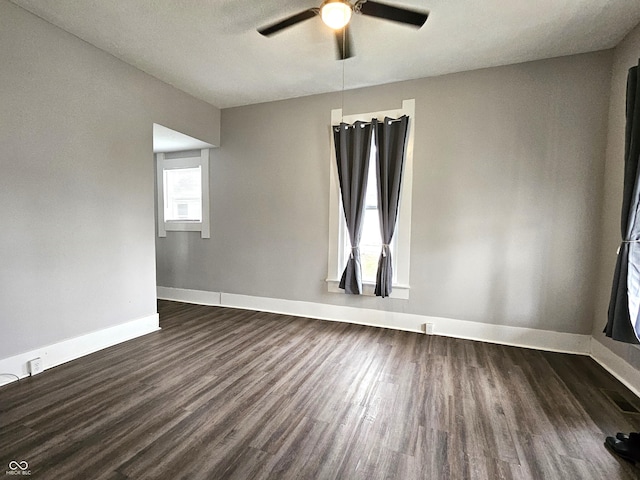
(337,239)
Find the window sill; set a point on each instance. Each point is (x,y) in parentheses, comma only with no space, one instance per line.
(182,226)
(368,289)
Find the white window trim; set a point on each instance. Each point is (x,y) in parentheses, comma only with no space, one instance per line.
(403,226)
(164,163)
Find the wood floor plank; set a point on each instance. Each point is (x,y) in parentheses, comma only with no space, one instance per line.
(234,394)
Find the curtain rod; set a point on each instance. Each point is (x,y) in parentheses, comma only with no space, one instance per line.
(363,124)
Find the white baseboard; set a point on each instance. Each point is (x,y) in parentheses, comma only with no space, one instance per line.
(502,334)
(199,297)
(321,311)
(449,327)
(617,366)
(524,337)
(67,350)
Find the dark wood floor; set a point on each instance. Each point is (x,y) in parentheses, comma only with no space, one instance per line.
(230,394)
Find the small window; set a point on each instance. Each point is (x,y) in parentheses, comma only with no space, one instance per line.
(183,193)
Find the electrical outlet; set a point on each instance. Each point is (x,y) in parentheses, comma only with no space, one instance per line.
(35,366)
(427,328)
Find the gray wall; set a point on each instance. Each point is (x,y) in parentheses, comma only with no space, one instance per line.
(626,56)
(508,171)
(76,187)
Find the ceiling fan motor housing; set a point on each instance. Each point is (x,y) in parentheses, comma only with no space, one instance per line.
(335,13)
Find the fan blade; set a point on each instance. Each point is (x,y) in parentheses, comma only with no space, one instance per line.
(288,22)
(343,40)
(395,14)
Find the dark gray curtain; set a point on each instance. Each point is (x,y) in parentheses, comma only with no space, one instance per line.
(390,140)
(353,147)
(623,322)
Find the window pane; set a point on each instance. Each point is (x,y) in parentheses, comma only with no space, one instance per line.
(183,194)
(371,229)
(369,256)
(371,197)
(370,244)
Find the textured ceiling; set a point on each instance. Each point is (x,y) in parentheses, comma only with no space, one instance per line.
(210,48)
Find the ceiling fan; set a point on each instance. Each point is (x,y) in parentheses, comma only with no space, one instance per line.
(336,14)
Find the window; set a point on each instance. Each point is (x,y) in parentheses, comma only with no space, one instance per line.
(183,192)
(370,243)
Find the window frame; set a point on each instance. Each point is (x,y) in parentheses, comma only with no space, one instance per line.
(402,235)
(162,164)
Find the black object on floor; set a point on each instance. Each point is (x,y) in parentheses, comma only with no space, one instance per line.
(628,449)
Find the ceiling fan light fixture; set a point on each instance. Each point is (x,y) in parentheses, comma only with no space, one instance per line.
(335,13)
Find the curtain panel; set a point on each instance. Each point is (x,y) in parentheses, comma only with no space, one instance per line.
(353,148)
(390,138)
(624,305)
